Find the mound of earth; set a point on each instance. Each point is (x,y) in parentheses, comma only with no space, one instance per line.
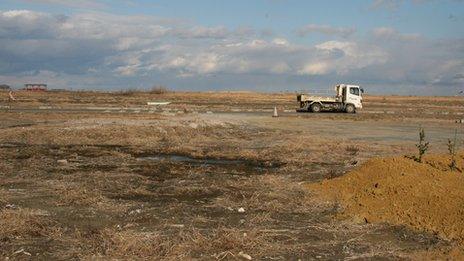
(426,196)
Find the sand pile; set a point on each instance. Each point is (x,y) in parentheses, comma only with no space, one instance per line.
(425,196)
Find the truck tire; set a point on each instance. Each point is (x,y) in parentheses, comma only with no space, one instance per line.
(350,108)
(307,107)
(316,107)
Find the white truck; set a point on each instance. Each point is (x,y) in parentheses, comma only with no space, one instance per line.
(348,98)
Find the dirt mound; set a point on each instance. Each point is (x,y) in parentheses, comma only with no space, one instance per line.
(397,190)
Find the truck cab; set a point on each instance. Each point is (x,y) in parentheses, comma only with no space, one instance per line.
(350,94)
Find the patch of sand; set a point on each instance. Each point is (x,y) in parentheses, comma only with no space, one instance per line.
(397,190)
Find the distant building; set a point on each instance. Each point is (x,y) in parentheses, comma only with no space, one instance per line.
(35,87)
(4,87)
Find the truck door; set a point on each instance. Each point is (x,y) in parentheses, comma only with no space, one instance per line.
(354,97)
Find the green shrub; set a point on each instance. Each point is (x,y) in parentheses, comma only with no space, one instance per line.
(422,146)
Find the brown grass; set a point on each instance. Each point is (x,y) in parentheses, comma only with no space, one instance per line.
(27,223)
(158,89)
(189,243)
(109,204)
(352,149)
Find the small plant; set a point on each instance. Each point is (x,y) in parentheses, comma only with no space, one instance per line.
(423,145)
(452,148)
(353,150)
(158,89)
(127,92)
(332,173)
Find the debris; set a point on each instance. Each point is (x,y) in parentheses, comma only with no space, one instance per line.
(11,206)
(241,210)
(129,225)
(62,161)
(133,212)
(22,251)
(244,256)
(193,125)
(209,112)
(223,255)
(11,96)
(158,103)
(177,225)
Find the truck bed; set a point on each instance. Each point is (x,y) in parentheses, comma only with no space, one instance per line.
(306,97)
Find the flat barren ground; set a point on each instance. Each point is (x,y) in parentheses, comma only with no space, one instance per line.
(210,176)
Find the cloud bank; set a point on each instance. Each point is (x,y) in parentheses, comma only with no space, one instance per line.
(101,50)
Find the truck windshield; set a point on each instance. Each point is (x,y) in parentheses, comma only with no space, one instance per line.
(354,91)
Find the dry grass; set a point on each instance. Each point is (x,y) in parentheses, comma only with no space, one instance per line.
(108,203)
(123,244)
(127,92)
(158,89)
(353,150)
(27,223)
(77,195)
(411,107)
(189,243)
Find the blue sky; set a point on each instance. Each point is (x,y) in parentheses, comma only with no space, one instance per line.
(389,46)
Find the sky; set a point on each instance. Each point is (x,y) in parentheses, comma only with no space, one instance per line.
(404,47)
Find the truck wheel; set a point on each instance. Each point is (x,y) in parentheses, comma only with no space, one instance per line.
(350,108)
(307,107)
(316,107)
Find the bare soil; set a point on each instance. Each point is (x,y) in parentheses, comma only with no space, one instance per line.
(426,196)
(376,192)
(208,177)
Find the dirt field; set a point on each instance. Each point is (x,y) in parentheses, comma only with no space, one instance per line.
(423,195)
(210,176)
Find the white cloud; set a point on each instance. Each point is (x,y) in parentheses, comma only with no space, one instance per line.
(281,41)
(91,48)
(218,32)
(388,33)
(387,4)
(316,68)
(326,29)
(352,56)
(393,5)
(86,4)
